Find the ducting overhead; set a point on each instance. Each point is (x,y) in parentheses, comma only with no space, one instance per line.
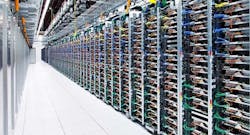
(75,15)
(30,10)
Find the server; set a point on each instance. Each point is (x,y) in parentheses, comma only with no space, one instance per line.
(175,67)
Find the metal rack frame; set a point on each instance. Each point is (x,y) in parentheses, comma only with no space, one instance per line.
(112,62)
(125,64)
(180,59)
(130,66)
(113,43)
(181,72)
(210,67)
(109,48)
(137,48)
(143,67)
(105,64)
(159,72)
(94,59)
(120,66)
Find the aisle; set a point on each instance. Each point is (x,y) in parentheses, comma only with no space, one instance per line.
(54,105)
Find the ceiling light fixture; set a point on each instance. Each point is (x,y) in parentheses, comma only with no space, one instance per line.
(43,16)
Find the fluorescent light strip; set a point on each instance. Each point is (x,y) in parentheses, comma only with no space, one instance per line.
(43,16)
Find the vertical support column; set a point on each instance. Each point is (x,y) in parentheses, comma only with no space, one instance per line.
(99,59)
(85,61)
(142,68)
(94,59)
(180,58)
(90,60)
(71,60)
(81,59)
(112,63)
(69,48)
(120,66)
(158,72)
(210,68)
(130,66)
(72,43)
(105,63)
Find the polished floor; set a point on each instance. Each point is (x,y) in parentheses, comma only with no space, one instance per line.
(54,105)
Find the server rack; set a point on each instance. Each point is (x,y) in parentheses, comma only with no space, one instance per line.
(81,59)
(102,55)
(65,56)
(137,65)
(116,49)
(85,61)
(97,63)
(105,35)
(76,59)
(124,31)
(109,59)
(152,68)
(169,96)
(59,58)
(70,59)
(198,86)
(66,51)
(174,67)
(88,59)
(231,47)
(92,60)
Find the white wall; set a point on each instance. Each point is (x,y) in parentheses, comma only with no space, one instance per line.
(32,56)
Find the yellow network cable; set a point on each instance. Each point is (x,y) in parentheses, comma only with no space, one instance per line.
(221,4)
(152,1)
(128,6)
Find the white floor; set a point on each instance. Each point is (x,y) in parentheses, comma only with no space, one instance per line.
(54,105)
